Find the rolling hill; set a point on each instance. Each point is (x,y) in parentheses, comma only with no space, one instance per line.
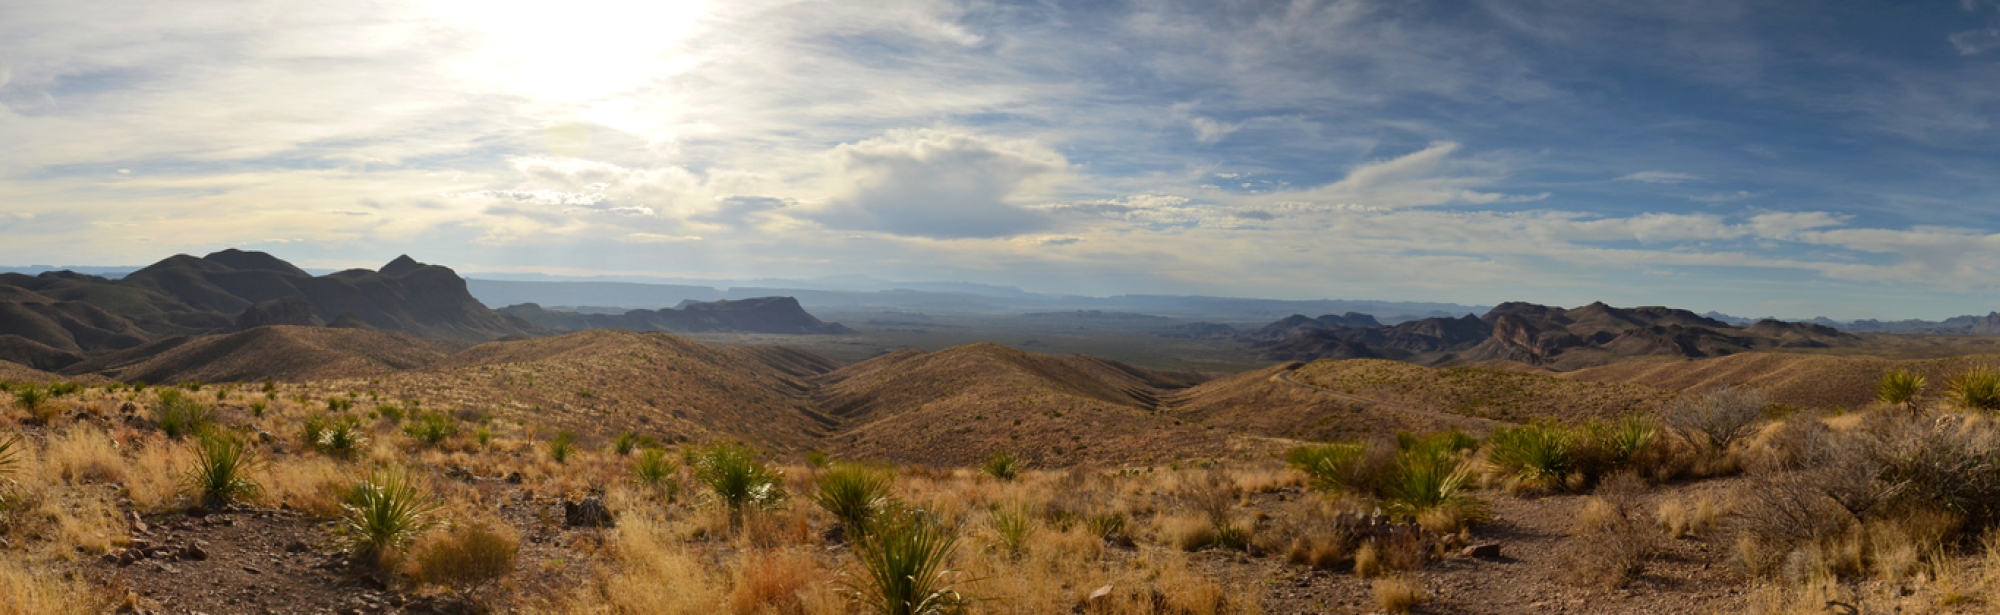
(1806,380)
(281,352)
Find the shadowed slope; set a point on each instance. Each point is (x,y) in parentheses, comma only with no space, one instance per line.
(1806,380)
(1500,395)
(957,405)
(1259,403)
(278,352)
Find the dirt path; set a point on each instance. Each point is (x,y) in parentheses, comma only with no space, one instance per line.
(1469,421)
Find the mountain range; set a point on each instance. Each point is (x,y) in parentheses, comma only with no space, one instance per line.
(1538,335)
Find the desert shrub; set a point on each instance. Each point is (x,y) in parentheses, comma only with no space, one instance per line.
(432,428)
(389,412)
(1900,387)
(468,558)
(1976,389)
(904,564)
(64,389)
(338,405)
(340,436)
(818,459)
(1330,467)
(654,469)
(1717,418)
(1002,465)
(1305,533)
(483,437)
(561,445)
(630,441)
(1107,525)
(853,494)
(1398,594)
(738,478)
(386,511)
(36,402)
(1013,525)
(222,467)
(1680,519)
(1607,545)
(258,408)
(180,415)
(1619,444)
(1431,478)
(1538,455)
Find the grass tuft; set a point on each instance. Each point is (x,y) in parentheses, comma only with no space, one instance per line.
(222,468)
(734,474)
(905,563)
(180,415)
(1002,465)
(853,494)
(386,511)
(1977,389)
(432,428)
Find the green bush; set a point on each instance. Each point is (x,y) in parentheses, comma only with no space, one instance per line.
(853,494)
(905,562)
(656,470)
(1539,455)
(339,436)
(630,441)
(433,428)
(222,468)
(36,402)
(386,511)
(1900,387)
(562,445)
(180,415)
(61,389)
(1621,443)
(1977,389)
(1002,465)
(1430,477)
(734,474)
(390,413)
(1331,467)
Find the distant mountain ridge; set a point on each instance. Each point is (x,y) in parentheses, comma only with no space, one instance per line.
(58,318)
(757,315)
(1534,334)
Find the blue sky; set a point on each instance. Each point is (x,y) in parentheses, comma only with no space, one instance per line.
(1835,159)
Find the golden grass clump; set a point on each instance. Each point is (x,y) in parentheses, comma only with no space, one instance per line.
(83,454)
(779,581)
(1398,594)
(29,590)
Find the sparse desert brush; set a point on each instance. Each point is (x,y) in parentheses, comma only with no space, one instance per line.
(1900,388)
(41,410)
(432,428)
(33,590)
(904,567)
(738,478)
(1976,389)
(468,557)
(1431,477)
(1398,594)
(83,454)
(1002,465)
(10,454)
(561,445)
(1607,546)
(179,414)
(1717,418)
(386,510)
(221,472)
(1679,518)
(854,494)
(339,436)
(774,581)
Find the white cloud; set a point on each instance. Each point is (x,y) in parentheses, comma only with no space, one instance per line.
(939,184)
(1210,131)
(1659,177)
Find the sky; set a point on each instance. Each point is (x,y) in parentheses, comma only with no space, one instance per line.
(1757,158)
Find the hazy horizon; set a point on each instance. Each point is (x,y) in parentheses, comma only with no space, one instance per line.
(1747,159)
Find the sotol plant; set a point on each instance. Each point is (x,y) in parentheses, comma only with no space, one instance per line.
(433,428)
(562,445)
(1977,389)
(1900,388)
(654,469)
(386,511)
(179,414)
(854,495)
(222,468)
(1002,465)
(905,564)
(733,472)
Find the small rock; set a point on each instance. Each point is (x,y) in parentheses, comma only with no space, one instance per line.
(296,546)
(194,551)
(1489,550)
(252,570)
(139,523)
(513,478)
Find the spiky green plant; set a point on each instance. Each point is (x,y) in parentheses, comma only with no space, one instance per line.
(258,408)
(61,389)
(179,414)
(1002,465)
(733,472)
(1538,454)
(562,445)
(1900,387)
(631,441)
(853,494)
(1977,389)
(386,511)
(1623,440)
(483,436)
(818,459)
(30,398)
(340,436)
(1330,467)
(1107,524)
(905,563)
(1427,478)
(221,472)
(10,455)
(433,428)
(654,469)
(1013,524)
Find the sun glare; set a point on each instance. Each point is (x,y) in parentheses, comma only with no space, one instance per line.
(572,52)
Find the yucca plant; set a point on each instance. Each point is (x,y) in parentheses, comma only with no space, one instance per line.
(30,398)
(1329,466)
(853,494)
(433,428)
(562,445)
(1013,524)
(60,389)
(1977,389)
(1538,454)
(656,470)
(630,441)
(1900,387)
(1002,465)
(10,454)
(733,472)
(340,436)
(222,467)
(386,511)
(180,415)
(905,564)
(1428,478)
(1107,524)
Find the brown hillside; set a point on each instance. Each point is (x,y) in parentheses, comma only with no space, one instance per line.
(287,353)
(601,382)
(15,372)
(1258,403)
(1819,381)
(1498,395)
(958,405)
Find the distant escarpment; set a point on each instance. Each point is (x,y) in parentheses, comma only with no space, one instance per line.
(1539,335)
(759,315)
(58,319)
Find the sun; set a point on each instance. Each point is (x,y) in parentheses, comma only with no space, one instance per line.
(577,51)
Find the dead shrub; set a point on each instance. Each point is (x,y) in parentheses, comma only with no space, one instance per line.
(1398,594)
(1308,533)
(1607,547)
(1716,418)
(773,582)
(468,558)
